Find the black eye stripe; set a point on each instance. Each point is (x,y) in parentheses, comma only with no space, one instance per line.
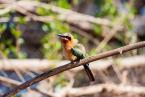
(68,37)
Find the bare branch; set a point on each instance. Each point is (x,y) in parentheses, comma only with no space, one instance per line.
(43,65)
(94,89)
(73,92)
(16,83)
(107,38)
(11,81)
(108,87)
(64,14)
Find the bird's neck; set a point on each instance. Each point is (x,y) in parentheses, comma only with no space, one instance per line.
(68,45)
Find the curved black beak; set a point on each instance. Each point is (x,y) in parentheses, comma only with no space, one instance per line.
(60,35)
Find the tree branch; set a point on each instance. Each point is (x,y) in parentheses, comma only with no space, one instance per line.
(64,14)
(16,83)
(43,65)
(108,87)
(73,92)
(11,81)
(73,65)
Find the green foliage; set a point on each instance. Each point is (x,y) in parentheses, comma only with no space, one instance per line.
(63,4)
(42,11)
(60,79)
(107,9)
(2,28)
(92,52)
(21,20)
(16,33)
(98,30)
(51,47)
(7,47)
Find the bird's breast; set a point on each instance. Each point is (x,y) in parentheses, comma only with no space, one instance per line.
(68,55)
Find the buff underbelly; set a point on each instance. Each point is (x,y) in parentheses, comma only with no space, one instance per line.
(68,55)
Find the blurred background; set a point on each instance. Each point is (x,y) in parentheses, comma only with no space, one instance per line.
(29,46)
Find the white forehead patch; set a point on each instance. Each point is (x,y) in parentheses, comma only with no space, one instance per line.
(67,34)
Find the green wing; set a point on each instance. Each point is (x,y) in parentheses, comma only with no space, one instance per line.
(78,51)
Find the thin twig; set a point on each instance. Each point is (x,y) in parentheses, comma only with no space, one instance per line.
(73,65)
(107,38)
(11,81)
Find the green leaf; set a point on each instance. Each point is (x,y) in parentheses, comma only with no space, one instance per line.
(2,28)
(63,4)
(98,29)
(16,33)
(21,20)
(41,11)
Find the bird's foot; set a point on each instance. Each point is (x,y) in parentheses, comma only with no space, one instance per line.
(74,61)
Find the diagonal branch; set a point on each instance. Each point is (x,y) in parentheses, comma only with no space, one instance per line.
(39,65)
(64,14)
(16,83)
(73,65)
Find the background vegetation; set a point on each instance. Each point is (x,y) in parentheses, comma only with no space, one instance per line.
(28,30)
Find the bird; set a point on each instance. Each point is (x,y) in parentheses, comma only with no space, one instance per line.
(74,51)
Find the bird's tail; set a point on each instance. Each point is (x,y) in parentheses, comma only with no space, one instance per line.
(89,73)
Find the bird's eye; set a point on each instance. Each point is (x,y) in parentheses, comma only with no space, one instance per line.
(69,38)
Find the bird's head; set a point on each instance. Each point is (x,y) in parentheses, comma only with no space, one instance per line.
(65,38)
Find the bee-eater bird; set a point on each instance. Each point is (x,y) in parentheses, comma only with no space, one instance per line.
(73,51)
